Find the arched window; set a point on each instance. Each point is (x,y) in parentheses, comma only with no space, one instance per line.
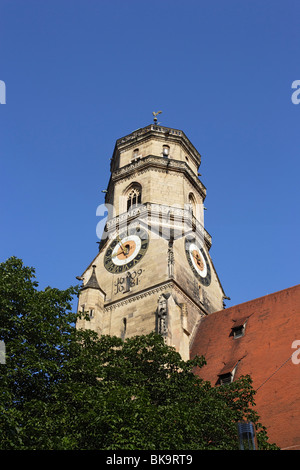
(166,151)
(192,204)
(134,196)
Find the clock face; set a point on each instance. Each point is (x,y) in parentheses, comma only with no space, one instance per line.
(125,251)
(198,261)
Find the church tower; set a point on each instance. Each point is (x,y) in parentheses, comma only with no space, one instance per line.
(153,271)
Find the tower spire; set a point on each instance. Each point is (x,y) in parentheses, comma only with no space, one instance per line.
(92,282)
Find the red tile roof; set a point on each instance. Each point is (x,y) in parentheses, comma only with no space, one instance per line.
(264,352)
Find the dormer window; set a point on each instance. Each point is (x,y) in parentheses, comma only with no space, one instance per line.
(225,378)
(227,374)
(238,329)
(166,151)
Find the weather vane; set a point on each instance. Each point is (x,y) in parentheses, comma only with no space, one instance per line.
(155,118)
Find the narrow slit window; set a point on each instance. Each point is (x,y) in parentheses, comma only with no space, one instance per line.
(192,204)
(124,328)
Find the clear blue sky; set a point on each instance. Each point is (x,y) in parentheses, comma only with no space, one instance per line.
(79,74)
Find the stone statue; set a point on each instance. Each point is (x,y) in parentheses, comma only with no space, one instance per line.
(162,316)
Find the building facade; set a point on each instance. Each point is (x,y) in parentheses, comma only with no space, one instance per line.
(153,271)
(260,338)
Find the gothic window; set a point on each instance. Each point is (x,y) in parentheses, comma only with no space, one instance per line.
(134,197)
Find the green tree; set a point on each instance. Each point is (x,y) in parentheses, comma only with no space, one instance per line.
(63,388)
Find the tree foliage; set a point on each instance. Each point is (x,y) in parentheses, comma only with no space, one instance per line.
(68,389)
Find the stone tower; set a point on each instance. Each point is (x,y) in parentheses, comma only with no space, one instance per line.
(153,271)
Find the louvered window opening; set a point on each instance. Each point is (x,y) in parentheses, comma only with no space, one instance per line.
(239,331)
(225,379)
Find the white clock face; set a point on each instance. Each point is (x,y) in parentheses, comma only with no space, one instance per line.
(198,260)
(126,250)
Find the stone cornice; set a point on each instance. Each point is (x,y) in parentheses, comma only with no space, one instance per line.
(159,132)
(160,164)
(170,284)
(136,296)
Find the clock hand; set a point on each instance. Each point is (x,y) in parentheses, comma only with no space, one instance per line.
(120,241)
(124,249)
(198,260)
(118,253)
(127,251)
